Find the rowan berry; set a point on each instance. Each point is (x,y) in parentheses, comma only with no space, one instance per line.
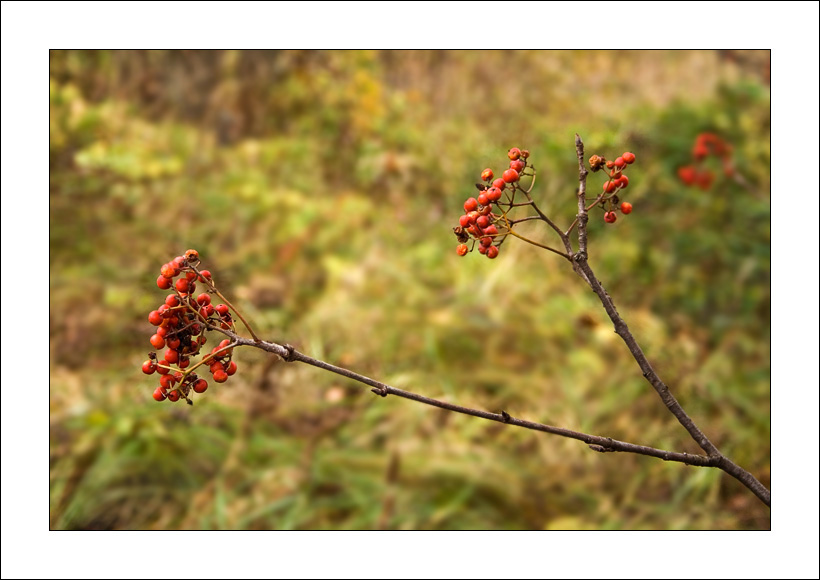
(461,249)
(626,207)
(159,394)
(500,183)
(610,217)
(518,165)
(163,283)
(191,255)
(172,356)
(172,300)
(155,318)
(514,153)
(157,342)
(619,162)
(610,186)
(220,376)
(494,194)
(148,367)
(200,386)
(169,270)
(182,285)
(483,199)
(482,221)
(492,252)
(471,204)
(160,369)
(231,370)
(167,381)
(173,396)
(628,157)
(464,220)
(510,176)
(622,181)
(204,275)
(487,174)
(222,309)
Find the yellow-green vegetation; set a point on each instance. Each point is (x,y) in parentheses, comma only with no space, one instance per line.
(320,188)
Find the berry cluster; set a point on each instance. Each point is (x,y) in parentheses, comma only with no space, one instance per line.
(609,200)
(181,322)
(485,223)
(706,145)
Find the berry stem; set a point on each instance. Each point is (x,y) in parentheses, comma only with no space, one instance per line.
(212,286)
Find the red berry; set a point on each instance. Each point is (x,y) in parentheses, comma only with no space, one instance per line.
(159,395)
(163,283)
(203,299)
(610,164)
(160,370)
(486,241)
(173,396)
(487,174)
(619,162)
(184,362)
(471,204)
(610,217)
(167,381)
(494,194)
(157,342)
(172,300)
(225,342)
(148,367)
(201,386)
(518,165)
(486,210)
(626,207)
(483,199)
(223,310)
(492,252)
(687,174)
(704,179)
(461,249)
(220,376)
(182,285)
(482,249)
(610,186)
(191,276)
(513,154)
(510,176)
(482,221)
(464,220)
(168,270)
(172,356)
(231,369)
(628,157)
(700,151)
(173,343)
(491,230)
(155,318)
(500,184)
(622,181)
(191,255)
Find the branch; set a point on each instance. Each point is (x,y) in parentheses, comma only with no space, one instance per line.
(595,442)
(622,330)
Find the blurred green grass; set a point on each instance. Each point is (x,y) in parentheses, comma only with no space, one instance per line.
(321,189)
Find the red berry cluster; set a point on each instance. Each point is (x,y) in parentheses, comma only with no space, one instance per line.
(181,322)
(485,222)
(609,199)
(706,145)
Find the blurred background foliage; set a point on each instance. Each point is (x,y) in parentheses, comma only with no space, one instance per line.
(321,189)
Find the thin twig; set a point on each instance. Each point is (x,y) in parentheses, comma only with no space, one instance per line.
(596,442)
